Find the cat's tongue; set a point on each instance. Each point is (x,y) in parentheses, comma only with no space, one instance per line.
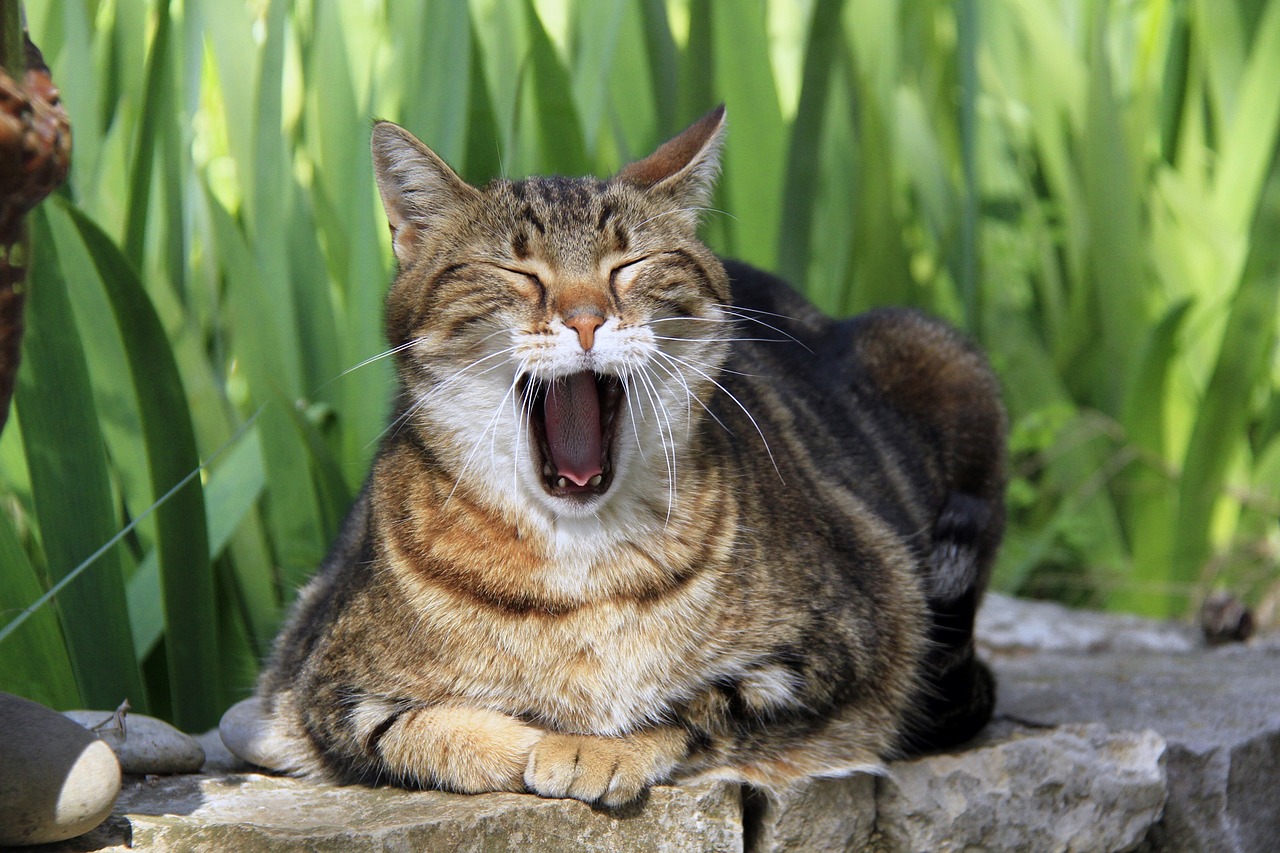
(572,413)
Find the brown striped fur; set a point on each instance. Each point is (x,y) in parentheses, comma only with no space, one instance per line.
(772,573)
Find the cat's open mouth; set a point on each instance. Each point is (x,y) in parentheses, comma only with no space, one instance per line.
(573,421)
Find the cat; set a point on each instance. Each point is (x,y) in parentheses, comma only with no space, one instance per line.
(641,515)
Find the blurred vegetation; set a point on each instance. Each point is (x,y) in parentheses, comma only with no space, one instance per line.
(1090,188)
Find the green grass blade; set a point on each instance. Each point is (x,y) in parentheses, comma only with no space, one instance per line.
(33,659)
(292,512)
(803,160)
(70,485)
(1146,490)
(157,90)
(560,135)
(181,530)
(755,158)
(1242,363)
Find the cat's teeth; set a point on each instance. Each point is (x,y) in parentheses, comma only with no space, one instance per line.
(561,483)
(548,470)
(596,480)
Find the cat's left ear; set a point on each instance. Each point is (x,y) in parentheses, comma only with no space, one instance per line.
(418,189)
(685,167)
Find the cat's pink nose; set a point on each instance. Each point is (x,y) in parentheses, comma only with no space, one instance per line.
(585,325)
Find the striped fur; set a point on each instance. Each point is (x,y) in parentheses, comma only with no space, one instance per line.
(772,573)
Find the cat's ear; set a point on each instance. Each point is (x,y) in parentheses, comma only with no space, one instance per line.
(418,189)
(685,168)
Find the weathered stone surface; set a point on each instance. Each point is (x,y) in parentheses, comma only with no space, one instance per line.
(57,779)
(1011,625)
(1071,788)
(144,744)
(1219,710)
(821,814)
(1101,721)
(251,812)
(1078,788)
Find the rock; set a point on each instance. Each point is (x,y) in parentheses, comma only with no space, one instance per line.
(244,730)
(1070,788)
(216,755)
(145,744)
(1218,709)
(251,812)
(1012,625)
(57,780)
(820,814)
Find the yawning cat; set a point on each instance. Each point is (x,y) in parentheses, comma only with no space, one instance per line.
(641,515)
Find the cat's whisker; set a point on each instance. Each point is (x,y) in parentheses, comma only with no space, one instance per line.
(668,450)
(725,340)
(689,394)
(633,404)
(441,386)
(475,446)
(748,318)
(736,401)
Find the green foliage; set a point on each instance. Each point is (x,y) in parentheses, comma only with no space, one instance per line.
(1090,188)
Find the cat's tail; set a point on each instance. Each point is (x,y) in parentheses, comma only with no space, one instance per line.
(959,690)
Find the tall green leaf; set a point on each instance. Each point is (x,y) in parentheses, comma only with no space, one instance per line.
(71,487)
(181,533)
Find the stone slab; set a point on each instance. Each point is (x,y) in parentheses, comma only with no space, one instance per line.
(251,812)
(1218,709)
(1069,788)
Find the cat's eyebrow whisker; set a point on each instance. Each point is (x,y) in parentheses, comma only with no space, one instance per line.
(738,403)
(687,210)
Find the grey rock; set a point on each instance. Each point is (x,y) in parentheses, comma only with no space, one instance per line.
(252,812)
(1008,625)
(216,755)
(245,733)
(1074,788)
(57,780)
(1218,709)
(144,744)
(819,814)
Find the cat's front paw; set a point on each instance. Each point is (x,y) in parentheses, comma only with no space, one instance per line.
(605,770)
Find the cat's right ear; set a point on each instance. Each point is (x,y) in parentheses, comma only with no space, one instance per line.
(418,189)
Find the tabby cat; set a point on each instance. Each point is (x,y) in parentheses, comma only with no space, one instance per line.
(642,515)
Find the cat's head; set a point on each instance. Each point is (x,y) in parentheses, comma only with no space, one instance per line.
(556,337)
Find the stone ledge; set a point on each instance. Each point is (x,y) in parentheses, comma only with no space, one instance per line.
(1111,733)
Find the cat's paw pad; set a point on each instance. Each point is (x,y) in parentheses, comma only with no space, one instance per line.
(609,771)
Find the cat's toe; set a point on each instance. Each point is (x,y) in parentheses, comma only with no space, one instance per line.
(609,771)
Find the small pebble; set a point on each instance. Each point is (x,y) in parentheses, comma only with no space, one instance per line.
(145,745)
(57,780)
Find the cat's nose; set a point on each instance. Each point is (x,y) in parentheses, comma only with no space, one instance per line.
(585,324)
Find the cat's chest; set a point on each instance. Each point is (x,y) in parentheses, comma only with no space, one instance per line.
(606,669)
